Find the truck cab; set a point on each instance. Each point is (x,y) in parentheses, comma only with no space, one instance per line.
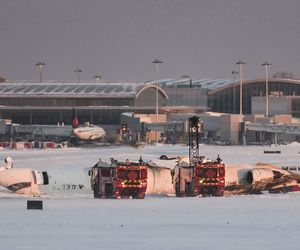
(119,179)
(209,179)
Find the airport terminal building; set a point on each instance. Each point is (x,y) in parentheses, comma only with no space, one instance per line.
(223,96)
(104,103)
(98,103)
(283,97)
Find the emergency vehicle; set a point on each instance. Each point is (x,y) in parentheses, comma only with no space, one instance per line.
(119,179)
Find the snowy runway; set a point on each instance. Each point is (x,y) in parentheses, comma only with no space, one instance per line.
(240,222)
(244,222)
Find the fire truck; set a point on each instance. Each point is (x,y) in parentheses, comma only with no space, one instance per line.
(209,178)
(199,176)
(119,179)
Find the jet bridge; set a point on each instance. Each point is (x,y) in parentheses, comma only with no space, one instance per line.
(291,129)
(272,129)
(42,130)
(166,127)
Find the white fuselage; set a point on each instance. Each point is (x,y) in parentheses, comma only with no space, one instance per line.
(89,133)
(76,181)
(19,180)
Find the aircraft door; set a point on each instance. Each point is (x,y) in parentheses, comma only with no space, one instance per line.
(109,189)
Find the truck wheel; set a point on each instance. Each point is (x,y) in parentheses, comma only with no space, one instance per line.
(188,189)
(219,194)
(109,190)
(96,191)
(177,189)
(140,196)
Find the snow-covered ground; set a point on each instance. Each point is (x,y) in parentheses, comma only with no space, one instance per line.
(239,222)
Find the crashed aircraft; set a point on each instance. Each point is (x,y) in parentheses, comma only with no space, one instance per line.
(239,179)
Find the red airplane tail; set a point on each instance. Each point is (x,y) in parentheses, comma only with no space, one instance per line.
(75,121)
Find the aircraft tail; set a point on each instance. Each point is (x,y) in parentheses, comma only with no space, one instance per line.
(75,121)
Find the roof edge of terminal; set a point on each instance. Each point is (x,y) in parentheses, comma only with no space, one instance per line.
(246,82)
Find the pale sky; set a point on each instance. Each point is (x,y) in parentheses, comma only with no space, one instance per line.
(119,39)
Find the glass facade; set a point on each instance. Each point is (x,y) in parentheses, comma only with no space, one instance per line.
(227,99)
(55,116)
(68,102)
(186,96)
(296,107)
(95,103)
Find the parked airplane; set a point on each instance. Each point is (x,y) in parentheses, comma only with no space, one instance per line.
(88,132)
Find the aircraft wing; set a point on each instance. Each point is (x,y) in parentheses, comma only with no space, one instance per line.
(247,179)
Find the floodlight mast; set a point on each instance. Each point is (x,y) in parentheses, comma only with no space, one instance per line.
(267,66)
(241,64)
(234,73)
(78,71)
(40,66)
(98,77)
(157,62)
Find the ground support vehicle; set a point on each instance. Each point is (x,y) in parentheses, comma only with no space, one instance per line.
(198,176)
(119,179)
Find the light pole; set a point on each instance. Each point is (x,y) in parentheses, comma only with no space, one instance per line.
(267,65)
(240,63)
(157,62)
(98,77)
(234,73)
(40,65)
(188,77)
(78,71)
